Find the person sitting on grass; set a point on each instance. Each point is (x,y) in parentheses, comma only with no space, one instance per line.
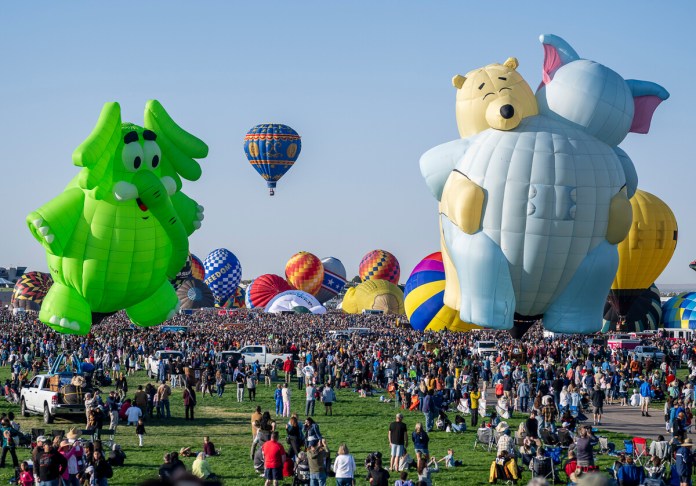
(201,468)
(403,481)
(209,447)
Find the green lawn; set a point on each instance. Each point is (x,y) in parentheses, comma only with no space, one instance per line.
(359,422)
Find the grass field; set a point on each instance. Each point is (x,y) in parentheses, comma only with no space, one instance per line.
(359,422)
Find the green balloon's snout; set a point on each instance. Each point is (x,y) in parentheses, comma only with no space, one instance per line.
(151,192)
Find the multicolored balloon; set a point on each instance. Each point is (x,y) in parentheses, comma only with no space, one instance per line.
(374,294)
(334,279)
(645,252)
(183,275)
(379,265)
(423,298)
(295,300)
(679,312)
(262,289)
(305,272)
(236,301)
(223,272)
(197,268)
(194,294)
(30,290)
(644,313)
(272,149)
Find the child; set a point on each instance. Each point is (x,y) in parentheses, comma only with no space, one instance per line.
(449,459)
(279,400)
(404,481)
(209,447)
(25,477)
(140,430)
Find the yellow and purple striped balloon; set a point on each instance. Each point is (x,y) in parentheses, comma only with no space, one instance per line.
(424,293)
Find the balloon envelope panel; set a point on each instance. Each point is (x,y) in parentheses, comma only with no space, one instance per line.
(680,311)
(197,268)
(32,287)
(379,265)
(223,272)
(334,279)
(194,294)
(423,298)
(304,271)
(291,300)
(374,295)
(260,292)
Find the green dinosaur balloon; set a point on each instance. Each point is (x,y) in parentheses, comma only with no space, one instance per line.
(119,231)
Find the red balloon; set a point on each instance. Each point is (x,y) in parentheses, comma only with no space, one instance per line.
(264,288)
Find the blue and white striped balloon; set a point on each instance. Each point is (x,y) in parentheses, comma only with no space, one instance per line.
(223,272)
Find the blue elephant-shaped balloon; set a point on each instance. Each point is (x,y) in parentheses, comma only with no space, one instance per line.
(531,214)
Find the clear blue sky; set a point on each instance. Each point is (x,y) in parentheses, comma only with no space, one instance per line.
(366,84)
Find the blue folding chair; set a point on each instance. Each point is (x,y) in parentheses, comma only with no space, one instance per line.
(555,454)
(628,446)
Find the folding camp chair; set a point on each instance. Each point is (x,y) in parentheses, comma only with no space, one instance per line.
(640,450)
(548,437)
(564,438)
(36,433)
(106,436)
(628,447)
(485,438)
(555,453)
(606,447)
(542,467)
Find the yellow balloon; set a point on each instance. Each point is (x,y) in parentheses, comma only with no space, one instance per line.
(650,243)
(374,294)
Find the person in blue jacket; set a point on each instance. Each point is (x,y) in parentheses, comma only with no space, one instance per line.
(645,396)
(630,474)
(683,464)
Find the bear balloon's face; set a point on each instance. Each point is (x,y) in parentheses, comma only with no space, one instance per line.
(495,96)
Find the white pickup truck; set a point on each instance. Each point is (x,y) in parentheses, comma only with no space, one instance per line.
(260,353)
(37,398)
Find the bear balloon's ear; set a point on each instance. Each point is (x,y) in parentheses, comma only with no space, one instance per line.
(511,63)
(647,96)
(458,81)
(557,53)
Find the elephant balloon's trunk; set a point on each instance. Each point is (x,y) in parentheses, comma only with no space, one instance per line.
(153,196)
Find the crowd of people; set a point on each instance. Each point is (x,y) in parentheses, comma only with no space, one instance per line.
(560,382)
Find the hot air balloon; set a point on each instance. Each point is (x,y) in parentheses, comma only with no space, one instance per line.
(692,265)
(262,289)
(644,313)
(272,149)
(30,290)
(194,294)
(236,300)
(223,272)
(197,268)
(183,275)
(645,252)
(374,294)
(305,271)
(380,265)
(679,312)
(290,300)
(423,298)
(334,279)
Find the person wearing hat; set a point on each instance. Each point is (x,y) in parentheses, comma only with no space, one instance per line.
(36,455)
(51,466)
(683,464)
(505,441)
(70,451)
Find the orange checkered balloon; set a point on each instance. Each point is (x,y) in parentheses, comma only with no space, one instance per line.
(380,265)
(305,271)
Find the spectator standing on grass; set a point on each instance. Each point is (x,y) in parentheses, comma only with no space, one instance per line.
(140,431)
(598,397)
(474,397)
(420,442)
(378,476)
(317,455)
(251,386)
(51,466)
(286,394)
(8,443)
(189,397)
(274,457)
(683,465)
(310,400)
(163,394)
(344,467)
(584,443)
(278,396)
(328,396)
(398,441)
(239,379)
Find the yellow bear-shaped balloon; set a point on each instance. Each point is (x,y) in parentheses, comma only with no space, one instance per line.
(494,96)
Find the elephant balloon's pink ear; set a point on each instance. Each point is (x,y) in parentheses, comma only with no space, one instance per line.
(647,96)
(179,147)
(557,53)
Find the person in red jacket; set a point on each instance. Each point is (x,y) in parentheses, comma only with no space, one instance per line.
(288,368)
(274,458)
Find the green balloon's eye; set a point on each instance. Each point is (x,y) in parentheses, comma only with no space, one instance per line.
(132,156)
(153,154)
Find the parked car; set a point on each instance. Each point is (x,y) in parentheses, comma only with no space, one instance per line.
(642,353)
(260,353)
(484,348)
(167,356)
(42,396)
